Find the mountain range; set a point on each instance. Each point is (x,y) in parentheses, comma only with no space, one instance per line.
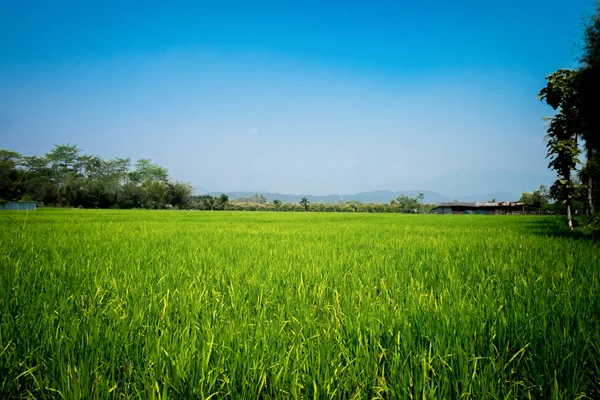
(467,185)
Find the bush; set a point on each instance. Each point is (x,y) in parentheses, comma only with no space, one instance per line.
(594,226)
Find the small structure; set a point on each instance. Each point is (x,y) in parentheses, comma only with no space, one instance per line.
(18,205)
(464,207)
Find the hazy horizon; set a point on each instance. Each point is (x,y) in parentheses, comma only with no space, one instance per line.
(311,97)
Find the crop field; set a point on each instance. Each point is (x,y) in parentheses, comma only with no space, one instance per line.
(177,304)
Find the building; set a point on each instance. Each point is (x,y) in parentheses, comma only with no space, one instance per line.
(18,205)
(463,207)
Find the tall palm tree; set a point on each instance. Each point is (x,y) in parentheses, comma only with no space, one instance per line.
(304,202)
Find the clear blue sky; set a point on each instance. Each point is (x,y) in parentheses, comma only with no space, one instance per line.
(297,97)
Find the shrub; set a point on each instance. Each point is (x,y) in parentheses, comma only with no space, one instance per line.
(594,226)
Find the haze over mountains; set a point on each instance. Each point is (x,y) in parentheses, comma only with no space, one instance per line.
(467,185)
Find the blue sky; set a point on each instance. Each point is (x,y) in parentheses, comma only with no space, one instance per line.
(295,97)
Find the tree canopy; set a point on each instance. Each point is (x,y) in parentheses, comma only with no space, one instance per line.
(65,176)
(572,93)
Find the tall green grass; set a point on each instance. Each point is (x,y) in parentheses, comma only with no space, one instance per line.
(140,304)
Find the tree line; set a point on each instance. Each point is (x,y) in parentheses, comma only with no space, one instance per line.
(67,177)
(402,204)
(576,126)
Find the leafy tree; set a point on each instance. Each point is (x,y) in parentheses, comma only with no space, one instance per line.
(62,163)
(589,87)
(563,129)
(420,197)
(407,204)
(179,194)
(304,203)
(63,158)
(102,180)
(574,95)
(208,202)
(537,199)
(154,194)
(563,152)
(222,201)
(277,204)
(145,169)
(10,176)
(129,195)
(65,176)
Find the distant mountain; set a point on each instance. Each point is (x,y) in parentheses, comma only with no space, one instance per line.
(380,196)
(467,185)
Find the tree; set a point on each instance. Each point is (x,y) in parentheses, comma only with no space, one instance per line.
(101,180)
(154,194)
(129,196)
(63,158)
(407,204)
(179,194)
(38,179)
(563,152)
(420,197)
(574,93)
(304,203)
(208,202)
(589,87)
(65,176)
(146,169)
(64,167)
(537,199)
(564,127)
(9,174)
(222,201)
(277,203)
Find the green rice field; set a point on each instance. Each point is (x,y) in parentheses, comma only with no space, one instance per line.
(178,304)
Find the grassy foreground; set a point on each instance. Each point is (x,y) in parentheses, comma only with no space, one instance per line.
(143,304)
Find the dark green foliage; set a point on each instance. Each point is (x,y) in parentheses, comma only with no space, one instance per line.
(407,204)
(574,94)
(536,200)
(66,177)
(305,203)
(563,130)
(277,203)
(208,202)
(594,226)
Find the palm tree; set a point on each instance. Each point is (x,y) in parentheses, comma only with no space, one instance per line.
(304,202)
